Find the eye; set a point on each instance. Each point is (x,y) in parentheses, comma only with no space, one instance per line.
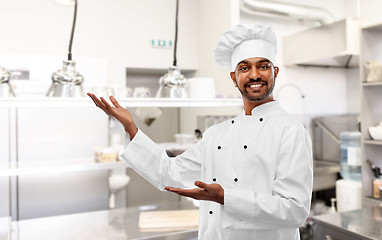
(264,66)
(243,68)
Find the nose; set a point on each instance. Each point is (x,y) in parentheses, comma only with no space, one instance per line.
(254,74)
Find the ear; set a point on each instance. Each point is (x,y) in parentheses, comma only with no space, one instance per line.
(233,77)
(276,71)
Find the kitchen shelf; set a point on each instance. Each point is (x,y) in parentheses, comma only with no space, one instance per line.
(372,201)
(377,26)
(37,102)
(36,168)
(372,142)
(371,112)
(369,84)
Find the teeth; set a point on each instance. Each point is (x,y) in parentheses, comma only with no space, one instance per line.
(255,86)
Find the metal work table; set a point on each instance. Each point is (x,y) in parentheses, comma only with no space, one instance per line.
(115,224)
(362,224)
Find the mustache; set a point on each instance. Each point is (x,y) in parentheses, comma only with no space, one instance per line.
(257,80)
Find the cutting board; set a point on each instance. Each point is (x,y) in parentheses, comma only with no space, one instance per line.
(174,219)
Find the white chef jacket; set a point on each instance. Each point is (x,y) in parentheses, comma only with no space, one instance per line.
(263,162)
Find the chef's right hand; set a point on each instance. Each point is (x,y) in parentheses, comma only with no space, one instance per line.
(120,113)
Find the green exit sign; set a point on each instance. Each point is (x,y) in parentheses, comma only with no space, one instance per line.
(160,43)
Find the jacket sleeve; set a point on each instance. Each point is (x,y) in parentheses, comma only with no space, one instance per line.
(152,162)
(288,205)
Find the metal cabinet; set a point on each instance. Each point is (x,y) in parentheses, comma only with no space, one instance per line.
(323,232)
(361,224)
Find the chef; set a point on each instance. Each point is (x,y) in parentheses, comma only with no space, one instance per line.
(252,173)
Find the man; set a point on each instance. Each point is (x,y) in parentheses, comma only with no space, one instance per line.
(253,173)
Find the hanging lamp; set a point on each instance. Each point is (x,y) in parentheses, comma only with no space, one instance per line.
(6,89)
(67,82)
(173,83)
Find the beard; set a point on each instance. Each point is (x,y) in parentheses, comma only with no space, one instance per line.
(247,96)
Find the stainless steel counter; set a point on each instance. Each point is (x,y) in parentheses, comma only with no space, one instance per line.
(100,225)
(360,224)
(325,174)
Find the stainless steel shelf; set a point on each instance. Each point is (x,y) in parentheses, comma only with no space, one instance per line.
(372,142)
(376,26)
(370,201)
(369,84)
(36,168)
(37,102)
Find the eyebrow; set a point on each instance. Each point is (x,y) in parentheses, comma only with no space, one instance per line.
(260,61)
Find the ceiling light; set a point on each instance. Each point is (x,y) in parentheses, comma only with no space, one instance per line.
(6,89)
(67,82)
(173,84)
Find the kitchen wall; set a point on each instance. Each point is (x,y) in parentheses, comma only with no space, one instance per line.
(327,90)
(119,30)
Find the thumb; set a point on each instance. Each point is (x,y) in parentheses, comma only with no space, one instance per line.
(200,184)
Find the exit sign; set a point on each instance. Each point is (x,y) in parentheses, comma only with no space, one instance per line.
(160,43)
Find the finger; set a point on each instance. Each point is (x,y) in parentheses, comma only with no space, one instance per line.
(184,193)
(114,101)
(108,106)
(98,102)
(172,189)
(200,184)
(89,94)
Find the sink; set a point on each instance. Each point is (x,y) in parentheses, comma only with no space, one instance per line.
(325,174)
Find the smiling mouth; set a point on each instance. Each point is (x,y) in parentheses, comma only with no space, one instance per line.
(256,86)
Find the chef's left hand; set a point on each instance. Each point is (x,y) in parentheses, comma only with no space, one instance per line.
(210,192)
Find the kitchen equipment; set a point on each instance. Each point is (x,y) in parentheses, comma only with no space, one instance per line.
(67,82)
(117,181)
(374,71)
(341,49)
(376,132)
(173,84)
(377,181)
(148,114)
(349,195)
(6,89)
(350,155)
(120,92)
(202,88)
(141,92)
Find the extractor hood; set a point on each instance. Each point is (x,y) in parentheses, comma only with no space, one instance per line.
(331,45)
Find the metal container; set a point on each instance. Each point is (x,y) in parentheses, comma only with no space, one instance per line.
(6,89)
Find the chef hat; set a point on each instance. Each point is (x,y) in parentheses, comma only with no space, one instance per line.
(246,41)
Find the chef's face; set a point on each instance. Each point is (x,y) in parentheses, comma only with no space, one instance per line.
(255,78)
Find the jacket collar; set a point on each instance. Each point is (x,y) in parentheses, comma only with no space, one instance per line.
(264,110)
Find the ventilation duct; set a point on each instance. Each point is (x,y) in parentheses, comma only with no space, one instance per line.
(286,11)
(331,45)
